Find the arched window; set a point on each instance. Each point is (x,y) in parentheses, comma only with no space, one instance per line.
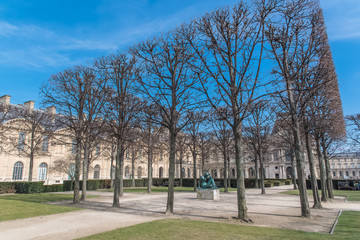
(18,169)
(42,171)
(127,172)
(353,173)
(97,172)
(251,172)
(183,172)
(160,172)
(139,172)
(233,172)
(334,174)
(288,172)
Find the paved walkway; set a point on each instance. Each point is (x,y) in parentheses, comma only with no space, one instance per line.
(271,210)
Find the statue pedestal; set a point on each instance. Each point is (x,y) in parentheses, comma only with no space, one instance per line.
(208,194)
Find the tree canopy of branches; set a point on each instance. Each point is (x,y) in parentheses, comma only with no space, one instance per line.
(78,95)
(167,83)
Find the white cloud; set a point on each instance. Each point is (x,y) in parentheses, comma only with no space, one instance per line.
(7,29)
(342,18)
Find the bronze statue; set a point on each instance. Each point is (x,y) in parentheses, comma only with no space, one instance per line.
(206,181)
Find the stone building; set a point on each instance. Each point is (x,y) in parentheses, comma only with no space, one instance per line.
(345,166)
(59,146)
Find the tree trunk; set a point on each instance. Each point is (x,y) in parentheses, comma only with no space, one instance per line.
(229,173)
(149,145)
(262,180)
(170,198)
(240,180)
(256,172)
(293,168)
(324,197)
(194,172)
(149,170)
(299,153)
(328,172)
(118,175)
(314,185)
(111,168)
(225,171)
(31,167)
(133,172)
(181,167)
(85,170)
(76,198)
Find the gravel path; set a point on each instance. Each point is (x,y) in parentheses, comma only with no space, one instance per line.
(270,210)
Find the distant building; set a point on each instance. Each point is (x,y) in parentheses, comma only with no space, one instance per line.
(345,166)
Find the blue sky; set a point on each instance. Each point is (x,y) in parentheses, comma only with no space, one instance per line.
(39,38)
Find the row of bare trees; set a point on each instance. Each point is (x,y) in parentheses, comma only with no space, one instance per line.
(241,62)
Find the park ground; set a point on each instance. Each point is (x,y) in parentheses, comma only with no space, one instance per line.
(141,216)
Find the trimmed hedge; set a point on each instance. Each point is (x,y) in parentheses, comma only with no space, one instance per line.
(29,187)
(7,187)
(53,188)
(335,183)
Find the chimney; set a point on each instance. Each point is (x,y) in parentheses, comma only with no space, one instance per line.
(51,110)
(5,100)
(29,105)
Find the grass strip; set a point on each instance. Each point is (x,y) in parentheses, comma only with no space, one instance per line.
(347,228)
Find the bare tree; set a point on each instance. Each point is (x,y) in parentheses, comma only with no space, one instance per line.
(36,130)
(353,123)
(257,134)
(151,132)
(75,93)
(296,40)
(181,149)
(167,83)
(122,74)
(224,142)
(192,131)
(229,45)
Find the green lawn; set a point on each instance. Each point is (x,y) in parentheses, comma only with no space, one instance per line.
(347,228)
(353,195)
(19,206)
(159,189)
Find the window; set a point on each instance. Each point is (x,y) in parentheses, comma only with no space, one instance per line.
(42,171)
(21,141)
(183,172)
(353,173)
(18,169)
(97,172)
(340,173)
(139,172)
(160,172)
(288,155)
(275,156)
(45,145)
(334,174)
(189,173)
(127,172)
(73,146)
(97,150)
(347,173)
(233,172)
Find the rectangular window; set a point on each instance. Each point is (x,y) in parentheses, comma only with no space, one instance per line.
(45,145)
(21,141)
(73,146)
